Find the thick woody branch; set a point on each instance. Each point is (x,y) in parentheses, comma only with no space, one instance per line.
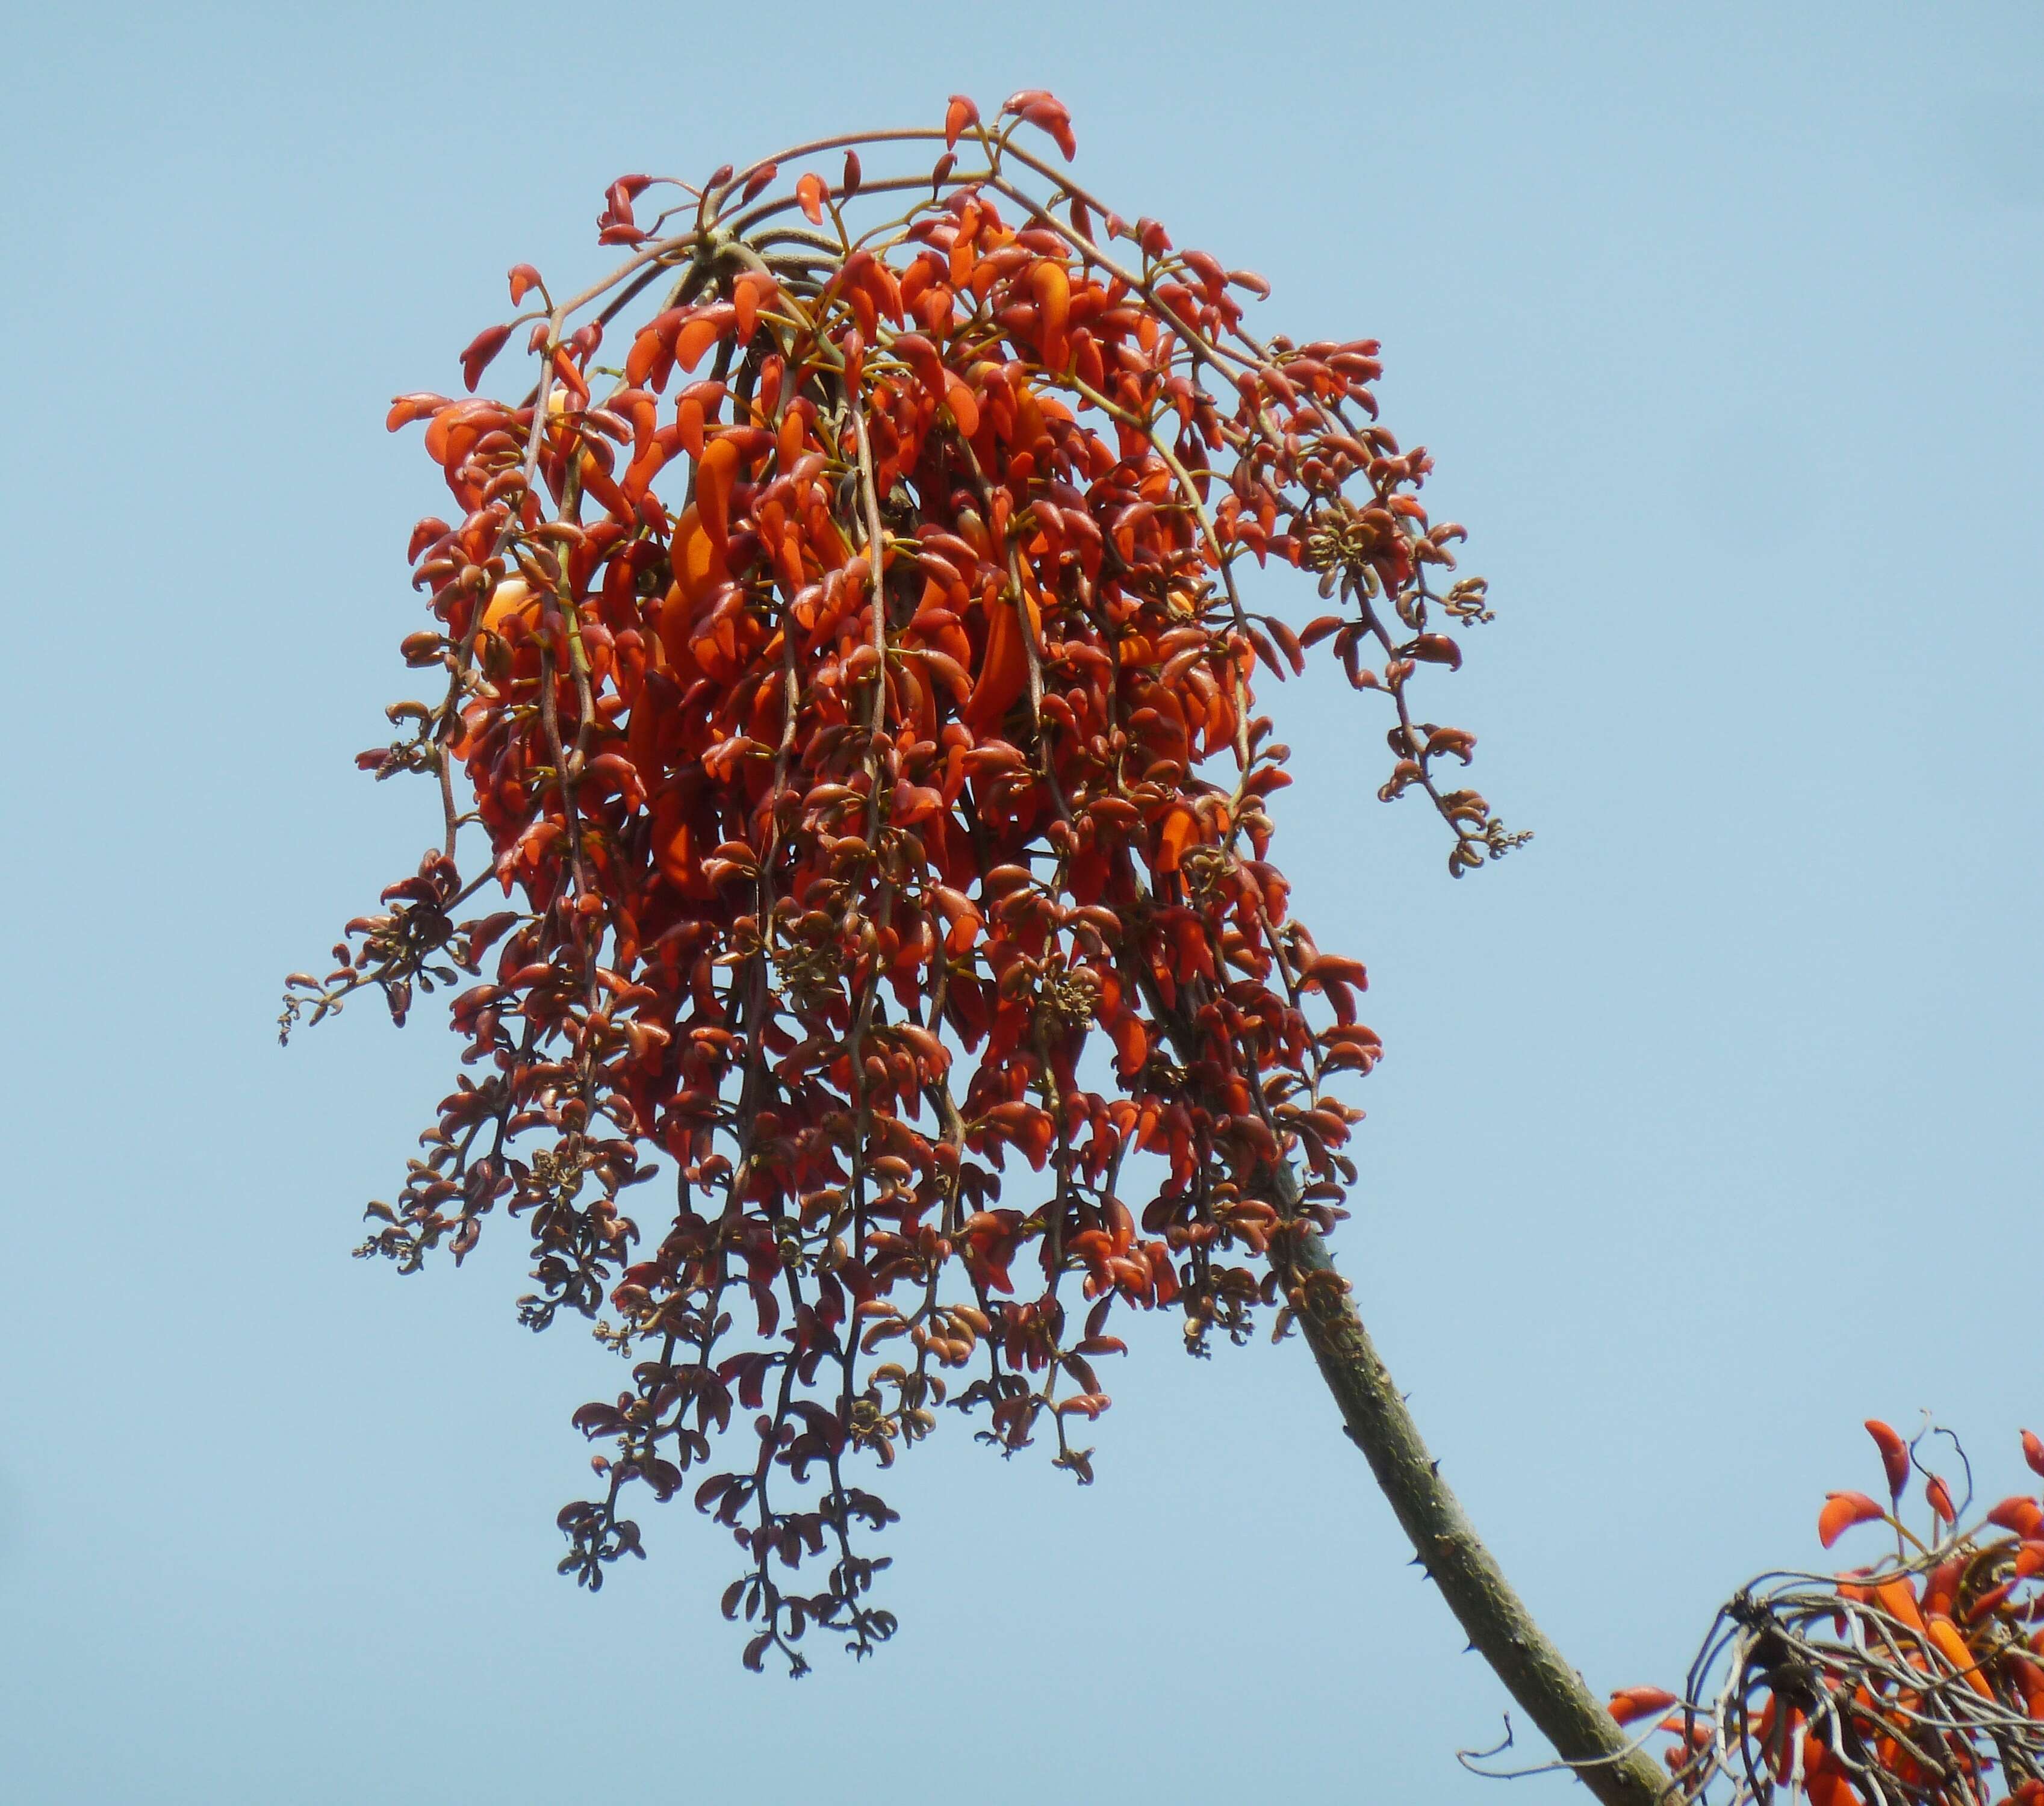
(1493,1615)
(1534,1671)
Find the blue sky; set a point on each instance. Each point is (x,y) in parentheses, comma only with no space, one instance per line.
(1708,1125)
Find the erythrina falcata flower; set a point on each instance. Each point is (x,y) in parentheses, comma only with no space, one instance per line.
(849,690)
(853,685)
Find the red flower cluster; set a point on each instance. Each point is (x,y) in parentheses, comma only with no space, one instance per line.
(853,688)
(1918,1679)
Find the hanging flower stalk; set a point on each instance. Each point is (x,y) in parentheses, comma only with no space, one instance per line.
(851,683)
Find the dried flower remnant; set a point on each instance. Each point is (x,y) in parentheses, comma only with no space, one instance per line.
(852,683)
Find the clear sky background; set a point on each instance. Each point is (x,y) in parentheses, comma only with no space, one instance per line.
(1710,1122)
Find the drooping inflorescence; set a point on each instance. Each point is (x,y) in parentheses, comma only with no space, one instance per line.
(852,685)
(1915,1681)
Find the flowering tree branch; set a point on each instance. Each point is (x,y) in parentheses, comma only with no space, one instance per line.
(850,691)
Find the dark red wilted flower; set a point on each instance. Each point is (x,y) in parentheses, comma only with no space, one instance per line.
(852,688)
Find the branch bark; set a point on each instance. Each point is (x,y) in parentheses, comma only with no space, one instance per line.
(1534,1671)
(1494,1618)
